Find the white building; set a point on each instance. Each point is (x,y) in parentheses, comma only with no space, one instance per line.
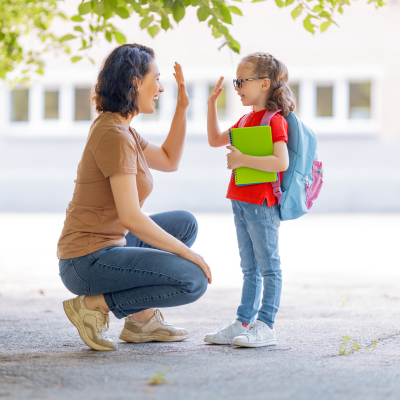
(347,79)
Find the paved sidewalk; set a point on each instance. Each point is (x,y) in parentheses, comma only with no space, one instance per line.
(341,278)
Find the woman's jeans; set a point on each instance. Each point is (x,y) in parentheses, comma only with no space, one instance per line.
(257,228)
(137,277)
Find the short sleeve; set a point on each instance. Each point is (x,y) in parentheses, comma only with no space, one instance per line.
(279,128)
(116,153)
(141,140)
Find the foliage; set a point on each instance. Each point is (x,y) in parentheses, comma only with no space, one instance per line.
(21,18)
(348,345)
(159,378)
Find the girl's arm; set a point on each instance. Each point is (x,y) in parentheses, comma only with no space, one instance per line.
(126,198)
(215,137)
(278,162)
(167,157)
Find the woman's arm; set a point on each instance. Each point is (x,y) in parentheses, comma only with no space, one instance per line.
(278,162)
(216,138)
(126,199)
(167,157)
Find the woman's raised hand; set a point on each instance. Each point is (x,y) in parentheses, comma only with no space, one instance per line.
(183,97)
(195,258)
(215,92)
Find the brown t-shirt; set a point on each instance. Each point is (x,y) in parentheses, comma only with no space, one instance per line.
(92,221)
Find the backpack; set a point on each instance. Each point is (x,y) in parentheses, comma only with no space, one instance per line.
(302,181)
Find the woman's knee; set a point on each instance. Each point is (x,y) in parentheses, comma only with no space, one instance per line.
(189,221)
(198,284)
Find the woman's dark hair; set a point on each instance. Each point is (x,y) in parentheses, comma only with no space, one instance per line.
(115,90)
(281,96)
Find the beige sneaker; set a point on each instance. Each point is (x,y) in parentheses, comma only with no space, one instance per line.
(155,329)
(90,324)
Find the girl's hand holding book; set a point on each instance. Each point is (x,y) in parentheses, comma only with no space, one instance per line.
(183,97)
(235,158)
(212,100)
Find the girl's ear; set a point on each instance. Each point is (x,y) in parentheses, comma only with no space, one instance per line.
(266,84)
(135,82)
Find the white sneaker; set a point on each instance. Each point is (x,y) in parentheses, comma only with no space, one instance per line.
(258,334)
(225,333)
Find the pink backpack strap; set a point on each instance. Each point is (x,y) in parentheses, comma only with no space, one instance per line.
(266,119)
(243,120)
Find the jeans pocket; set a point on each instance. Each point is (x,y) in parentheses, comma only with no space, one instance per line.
(71,280)
(274,211)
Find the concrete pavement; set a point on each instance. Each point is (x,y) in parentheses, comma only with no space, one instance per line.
(341,278)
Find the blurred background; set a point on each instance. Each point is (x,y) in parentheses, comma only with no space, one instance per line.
(347,82)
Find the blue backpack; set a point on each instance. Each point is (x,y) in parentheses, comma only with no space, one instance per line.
(302,181)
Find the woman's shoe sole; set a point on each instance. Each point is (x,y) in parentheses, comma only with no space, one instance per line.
(128,336)
(76,320)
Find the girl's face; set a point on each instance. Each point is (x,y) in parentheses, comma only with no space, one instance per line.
(252,93)
(149,89)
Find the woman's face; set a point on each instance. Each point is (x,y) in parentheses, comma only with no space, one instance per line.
(149,89)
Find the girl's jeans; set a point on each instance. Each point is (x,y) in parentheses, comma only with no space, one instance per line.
(137,277)
(257,228)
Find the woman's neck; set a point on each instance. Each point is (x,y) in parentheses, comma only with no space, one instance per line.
(125,121)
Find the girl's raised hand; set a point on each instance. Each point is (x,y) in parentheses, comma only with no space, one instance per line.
(215,92)
(183,97)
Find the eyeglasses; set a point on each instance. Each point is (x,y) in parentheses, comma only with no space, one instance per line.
(239,82)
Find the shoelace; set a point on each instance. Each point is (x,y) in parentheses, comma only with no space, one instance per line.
(225,325)
(103,322)
(161,317)
(252,326)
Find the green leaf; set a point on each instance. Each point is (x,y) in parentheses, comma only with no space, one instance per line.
(85,8)
(289,2)
(256,1)
(112,3)
(91,60)
(235,10)
(168,4)
(202,14)
(75,59)
(187,3)
(340,9)
(195,3)
(145,22)
(39,71)
(120,38)
(234,45)
(324,14)
(318,8)
(297,11)
(216,33)
(165,24)
(279,3)
(153,30)
(178,11)
(108,36)
(67,37)
(77,18)
(308,24)
(225,13)
(137,7)
(78,29)
(122,12)
(102,7)
(325,25)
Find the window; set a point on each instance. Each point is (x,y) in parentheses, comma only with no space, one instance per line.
(295,89)
(221,102)
(19,105)
(82,104)
(360,100)
(324,101)
(51,104)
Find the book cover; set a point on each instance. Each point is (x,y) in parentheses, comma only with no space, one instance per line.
(253,141)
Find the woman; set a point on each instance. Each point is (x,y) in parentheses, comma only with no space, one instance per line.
(114,257)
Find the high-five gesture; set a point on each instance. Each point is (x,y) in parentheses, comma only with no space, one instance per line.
(215,92)
(183,97)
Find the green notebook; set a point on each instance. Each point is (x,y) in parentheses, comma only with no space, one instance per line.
(253,141)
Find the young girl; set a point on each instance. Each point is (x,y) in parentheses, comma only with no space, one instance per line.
(261,83)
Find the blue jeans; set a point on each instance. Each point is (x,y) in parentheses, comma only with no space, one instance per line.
(257,228)
(137,277)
